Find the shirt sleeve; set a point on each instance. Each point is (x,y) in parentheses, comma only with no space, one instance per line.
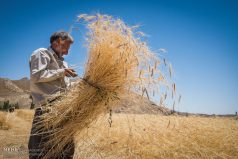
(39,70)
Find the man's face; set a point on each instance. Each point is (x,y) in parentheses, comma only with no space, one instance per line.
(62,46)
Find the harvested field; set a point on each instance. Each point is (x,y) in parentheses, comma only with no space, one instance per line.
(140,136)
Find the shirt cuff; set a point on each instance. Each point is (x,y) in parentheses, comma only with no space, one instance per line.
(61,72)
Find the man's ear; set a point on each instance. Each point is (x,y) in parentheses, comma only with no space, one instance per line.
(55,43)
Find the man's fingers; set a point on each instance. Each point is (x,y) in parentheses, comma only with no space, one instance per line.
(70,72)
(71,69)
(67,74)
(74,74)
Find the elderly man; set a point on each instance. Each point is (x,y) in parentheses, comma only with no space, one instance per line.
(49,75)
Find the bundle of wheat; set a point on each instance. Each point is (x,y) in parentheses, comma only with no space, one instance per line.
(118,62)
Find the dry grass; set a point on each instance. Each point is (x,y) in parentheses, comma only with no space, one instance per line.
(141,136)
(153,136)
(25,114)
(5,123)
(7,119)
(14,141)
(118,62)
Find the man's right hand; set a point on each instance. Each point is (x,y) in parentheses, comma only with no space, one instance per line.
(70,72)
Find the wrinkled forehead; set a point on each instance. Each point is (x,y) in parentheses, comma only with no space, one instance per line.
(65,41)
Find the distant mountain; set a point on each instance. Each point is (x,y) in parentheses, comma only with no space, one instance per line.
(7,87)
(23,83)
(16,91)
(19,91)
(140,105)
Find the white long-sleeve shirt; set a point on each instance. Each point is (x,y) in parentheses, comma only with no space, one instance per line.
(47,75)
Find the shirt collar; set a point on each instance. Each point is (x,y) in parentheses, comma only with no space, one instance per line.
(53,52)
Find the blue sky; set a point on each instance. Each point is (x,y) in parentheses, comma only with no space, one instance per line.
(201,37)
